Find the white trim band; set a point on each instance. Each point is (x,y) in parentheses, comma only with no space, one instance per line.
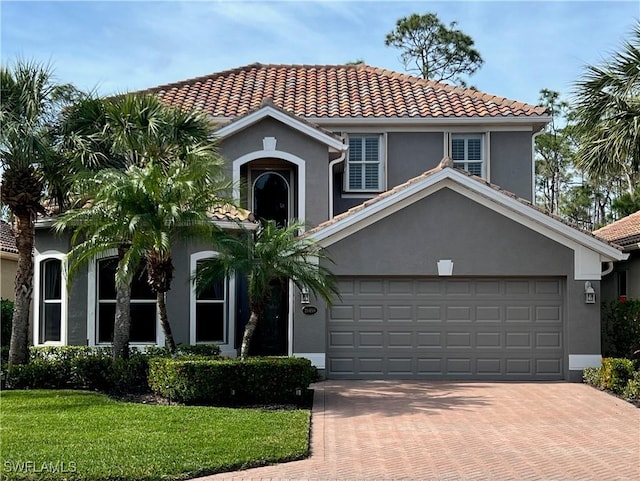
(318,359)
(578,362)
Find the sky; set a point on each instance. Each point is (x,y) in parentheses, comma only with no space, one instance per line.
(118,46)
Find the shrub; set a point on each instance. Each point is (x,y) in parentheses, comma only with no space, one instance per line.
(593,376)
(616,373)
(230,381)
(621,329)
(209,350)
(631,391)
(6,316)
(84,367)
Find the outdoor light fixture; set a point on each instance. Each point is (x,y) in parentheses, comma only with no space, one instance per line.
(304,295)
(589,293)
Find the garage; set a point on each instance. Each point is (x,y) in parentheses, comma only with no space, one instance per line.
(446,328)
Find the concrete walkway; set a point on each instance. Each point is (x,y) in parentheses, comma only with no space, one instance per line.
(388,430)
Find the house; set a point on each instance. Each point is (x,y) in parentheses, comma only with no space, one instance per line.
(422,195)
(622,280)
(8,261)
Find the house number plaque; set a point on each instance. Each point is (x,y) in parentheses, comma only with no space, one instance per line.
(309,310)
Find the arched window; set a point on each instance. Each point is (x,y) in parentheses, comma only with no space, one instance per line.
(50,299)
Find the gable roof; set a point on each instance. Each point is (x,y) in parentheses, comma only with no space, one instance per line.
(624,232)
(490,195)
(338,91)
(7,239)
(268,109)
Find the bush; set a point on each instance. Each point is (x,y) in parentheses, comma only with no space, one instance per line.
(621,329)
(631,392)
(84,367)
(230,381)
(616,373)
(6,316)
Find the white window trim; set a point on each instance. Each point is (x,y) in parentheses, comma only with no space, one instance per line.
(92,306)
(64,298)
(382,171)
(227,348)
(485,139)
(275,154)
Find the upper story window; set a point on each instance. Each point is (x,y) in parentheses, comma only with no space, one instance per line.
(142,308)
(364,170)
(467,153)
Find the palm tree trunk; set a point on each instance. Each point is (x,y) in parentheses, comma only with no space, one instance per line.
(164,322)
(249,329)
(122,323)
(19,344)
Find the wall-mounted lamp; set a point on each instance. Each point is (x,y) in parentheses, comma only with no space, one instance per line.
(589,293)
(304,295)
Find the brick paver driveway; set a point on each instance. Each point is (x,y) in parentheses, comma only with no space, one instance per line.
(383,430)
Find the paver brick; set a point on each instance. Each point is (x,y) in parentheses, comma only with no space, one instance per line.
(413,430)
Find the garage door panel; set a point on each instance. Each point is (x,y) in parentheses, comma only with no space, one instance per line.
(447,328)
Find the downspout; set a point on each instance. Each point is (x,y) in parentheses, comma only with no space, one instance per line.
(331,165)
(608,270)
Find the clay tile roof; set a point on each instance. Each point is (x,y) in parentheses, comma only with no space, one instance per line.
(624,232)
(336,91)
(7,240)
(231,213)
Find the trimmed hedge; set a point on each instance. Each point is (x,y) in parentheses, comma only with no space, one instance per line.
(258,380)
(83,367)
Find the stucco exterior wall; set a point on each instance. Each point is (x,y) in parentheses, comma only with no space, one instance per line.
(410,154)
(610,281)
(511,162)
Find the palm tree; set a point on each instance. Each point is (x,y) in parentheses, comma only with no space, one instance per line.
(29,100)
(275,254)
(608,115)
(172,178)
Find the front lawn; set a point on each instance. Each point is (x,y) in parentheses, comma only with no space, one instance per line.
(77,435)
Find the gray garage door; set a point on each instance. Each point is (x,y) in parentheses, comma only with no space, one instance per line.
(446,329)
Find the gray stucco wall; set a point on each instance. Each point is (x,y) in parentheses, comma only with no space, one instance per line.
(314,153)
(409,154)
(447,225)
(511,166)
(610,281)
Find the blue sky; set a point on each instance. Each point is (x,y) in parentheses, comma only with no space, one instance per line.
(124,45)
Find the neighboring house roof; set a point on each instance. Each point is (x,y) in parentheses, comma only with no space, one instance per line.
(7,239)
(338,91)
(488,194)
(624,232)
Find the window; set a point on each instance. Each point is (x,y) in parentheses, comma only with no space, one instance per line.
(364,166)
(50,318)
(622,284)
(210,312)
(467,153)
(143,305)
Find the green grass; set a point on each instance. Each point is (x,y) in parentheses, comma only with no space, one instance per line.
(88,436)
